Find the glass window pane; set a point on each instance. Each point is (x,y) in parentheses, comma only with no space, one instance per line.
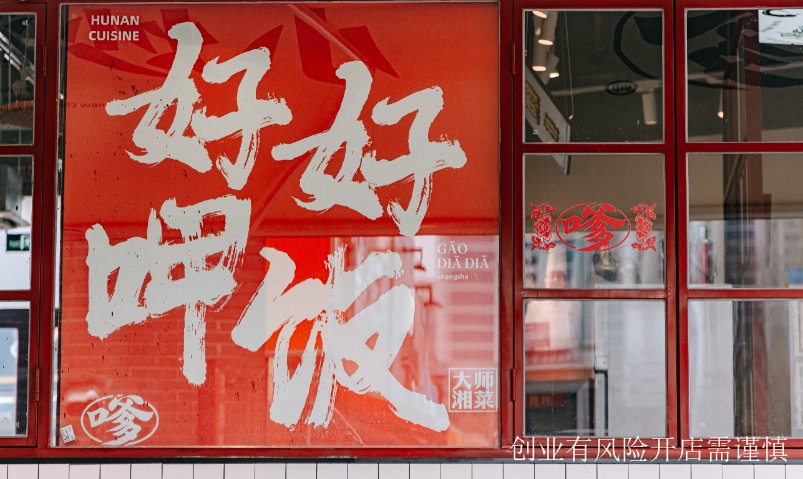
(14,320)
(223,279)
(16,203)
(745,220)
(17,78)
(593,76)
(589,225)
(595,368)
(745,69)
(435,329)
(746,368)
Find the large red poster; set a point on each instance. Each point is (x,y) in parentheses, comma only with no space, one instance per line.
(280,225)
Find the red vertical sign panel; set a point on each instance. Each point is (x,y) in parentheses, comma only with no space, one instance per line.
(280,225)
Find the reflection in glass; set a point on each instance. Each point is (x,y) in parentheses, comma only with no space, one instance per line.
(409,325)
(592,224)
(593,76)
(595,368)
(745,68)
(746,368)
(17,78)
(745,220)
(16,203)
(14,319)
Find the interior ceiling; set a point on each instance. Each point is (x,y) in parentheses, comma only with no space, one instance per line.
(17,50)
(597,48)
(722,46)
(17,45)
(594,38)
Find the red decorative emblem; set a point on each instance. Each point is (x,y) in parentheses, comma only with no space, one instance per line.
(645,215)
(595,219)
(542,239)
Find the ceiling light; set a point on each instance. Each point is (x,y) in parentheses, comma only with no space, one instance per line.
(538,22)
(552,65)
(540,58)
(650,108)
(540,14)
(548,30)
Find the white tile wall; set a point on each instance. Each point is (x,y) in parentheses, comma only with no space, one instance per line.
(301,471)
(240,471)
(550,471)
(56,471)
(425,471)
(675,471)
(484,471)
(765,471)
(85,471)
(24,471)
(581,471)
(451,470)
(740,471)
(644,471)
(518,471)
(146,471)
(794,470)
(332,471)
(612,471)
(270,471)
(363,471)
(177,471)
(109,471)
(394,471)
(706,471)
(208,471)
(455,471)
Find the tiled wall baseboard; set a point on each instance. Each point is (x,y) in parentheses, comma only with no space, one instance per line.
(400,471)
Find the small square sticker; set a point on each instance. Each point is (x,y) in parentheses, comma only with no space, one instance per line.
(67,434)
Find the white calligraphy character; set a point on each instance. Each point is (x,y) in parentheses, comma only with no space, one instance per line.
(177,89)
(342,340)
(348,131)
(252,114)
(196,273)
(425,157)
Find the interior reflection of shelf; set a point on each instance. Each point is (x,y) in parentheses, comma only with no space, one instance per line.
(709,285)
(568,372)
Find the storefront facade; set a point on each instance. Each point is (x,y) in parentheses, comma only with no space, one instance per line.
(403,239)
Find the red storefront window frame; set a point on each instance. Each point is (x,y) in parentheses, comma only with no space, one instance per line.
(666,148)
(684,149)
(40,248)
(675,148)
(675,293)
(41,438)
